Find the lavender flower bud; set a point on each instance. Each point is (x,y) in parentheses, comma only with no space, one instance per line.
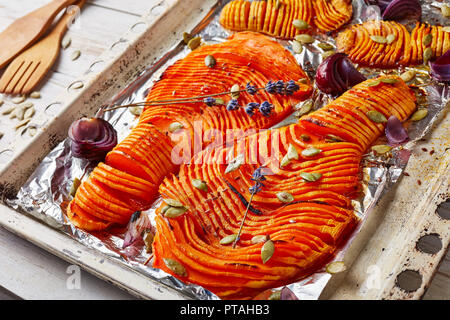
(270,87)
(251,89)
(233,105)
(209,101)
(291,87)
(266,109)
(279,86)
(250,108)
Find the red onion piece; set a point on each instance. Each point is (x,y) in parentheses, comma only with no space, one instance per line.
(395,133)
(92,139)
(287,294)
(336,74)
(399,9)
(440,68)
(139,222)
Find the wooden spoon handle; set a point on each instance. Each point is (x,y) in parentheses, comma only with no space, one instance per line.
(23,32)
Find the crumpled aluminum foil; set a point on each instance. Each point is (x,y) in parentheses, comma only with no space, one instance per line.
(46,193)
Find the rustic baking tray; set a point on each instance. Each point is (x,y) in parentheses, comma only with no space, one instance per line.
(389,248)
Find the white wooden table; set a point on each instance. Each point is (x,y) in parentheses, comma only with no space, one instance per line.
(27,271)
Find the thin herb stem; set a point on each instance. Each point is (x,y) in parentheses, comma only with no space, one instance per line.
(242,222)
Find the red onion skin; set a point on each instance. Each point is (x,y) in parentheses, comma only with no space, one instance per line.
(440,68)
(287,294)
(395,132)
(92,139)
(399,9)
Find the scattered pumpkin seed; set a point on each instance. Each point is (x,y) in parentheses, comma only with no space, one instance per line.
(326,54)
(419,114)
(210,61)
(381,148)
(199,184)
(445,10)
(173,203)
(389,80)
(175,126)
(305,137)
(35,95)
(29,113)
(77,85)
(164,209)
(175,267)
(8,111)
(292,153)
(267,250)
(194,43)
(310,176)
(66,41)
(378,39)
(174,212)
(390,38)
(148,241)
(19,113)
(259,239)
(18,100)
(376,116)
(285,197)
(186,37)
(427,39)
(336,267)
(75,55)
(32,131)
(228,239)
(311,152)
(446,29)
(408,75)
(235,163)
(300,24)
(374,83)
(304,38)
(427,54)
(297,47)
(75,184)
(305,108)
(136,110)
(235,91)
(22,123)
(276,295)
(285,161)
(325,46)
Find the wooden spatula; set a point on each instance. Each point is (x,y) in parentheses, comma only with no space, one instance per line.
(23,32)
(31,66)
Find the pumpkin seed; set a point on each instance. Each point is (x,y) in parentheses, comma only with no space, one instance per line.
(18,100)
(173,203)
(199,184)
(378,39)
(148,241)
(29,113)
(174,212)
(75,184)
(374,83)
(427,39)
(332,138)
(186,37)
(259,239)
(77,85)
(75,55)
(285,197)
(390,38)
(300,24)
(419,114)
(305,137)
(175,267)
(310,176)
(66,41)
(164,209)
(194,43)
(21,124)
(137,111)
(235,91)
(8,111)
(389,80)
(276,295)
(427,54)
(175,126)
(32,131)
(285,161)
(292,153)
(267,250)
(210,61)
(35,95)
(381,149)
(304,109)
(297,47)
(326,54)
(408,75)
(235,163)
(311,152)
(325,46)
(335,267)
(446,29)
(304,38)
(19,113)
(376,116)
(228,239)
(445,10)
